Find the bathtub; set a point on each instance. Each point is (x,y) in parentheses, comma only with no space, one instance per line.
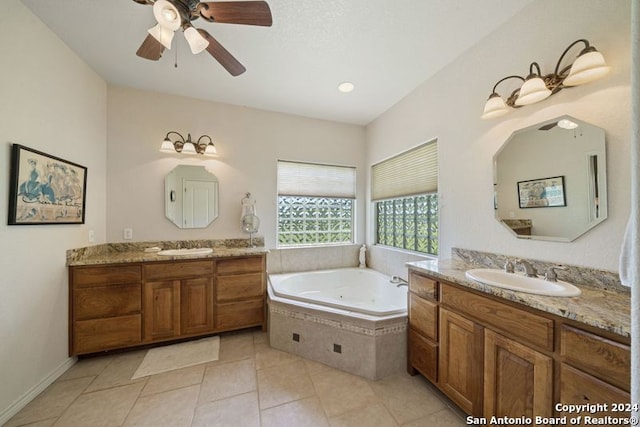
(349,318)
(357,290)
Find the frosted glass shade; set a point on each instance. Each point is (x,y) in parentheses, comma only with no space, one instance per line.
(167,15)
(162,34)
(495,107)
(210,150)
(197,43)
(167,146)
(587,67)
(189,148)
(533,90)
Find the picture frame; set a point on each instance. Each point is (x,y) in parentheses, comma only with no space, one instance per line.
(542,193)
(44,189)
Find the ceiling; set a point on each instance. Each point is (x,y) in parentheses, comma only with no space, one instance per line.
(385,47)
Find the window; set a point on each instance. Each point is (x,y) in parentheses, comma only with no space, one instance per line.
(405,191)
(315,204)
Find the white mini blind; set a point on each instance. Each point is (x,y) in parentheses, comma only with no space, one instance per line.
(316,180)
(413,172)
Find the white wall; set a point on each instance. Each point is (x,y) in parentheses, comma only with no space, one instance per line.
(448,107)
(249,142)
(51,101)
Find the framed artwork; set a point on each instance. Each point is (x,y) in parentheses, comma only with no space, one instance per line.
(542,193)
(45,189)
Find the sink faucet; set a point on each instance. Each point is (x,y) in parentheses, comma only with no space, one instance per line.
(529,270)
(551,275)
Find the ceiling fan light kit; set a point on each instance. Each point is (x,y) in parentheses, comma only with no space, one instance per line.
(588,66)
(174,14)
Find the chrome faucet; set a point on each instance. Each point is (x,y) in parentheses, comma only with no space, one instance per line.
(551,275)
(399,281)
(529,270)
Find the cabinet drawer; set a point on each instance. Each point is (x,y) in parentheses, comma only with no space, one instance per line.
(240,265)
(240,314)
(240,286)
(423,316)
(423,286)
(599,356)
(423,356)
(529,327)
(88,276)
(178,270)
(577,387)
(105,334)
(106,301)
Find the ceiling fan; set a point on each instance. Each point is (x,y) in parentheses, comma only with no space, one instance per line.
(172,15)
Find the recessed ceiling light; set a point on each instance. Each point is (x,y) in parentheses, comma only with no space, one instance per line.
(346,87)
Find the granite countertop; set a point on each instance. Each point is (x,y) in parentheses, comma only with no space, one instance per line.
(131,257)
(607,309)
(123,253)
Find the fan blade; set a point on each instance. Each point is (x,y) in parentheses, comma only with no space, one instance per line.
(150,49)
(222,55)
(143,2)
(549,126)
(237,12)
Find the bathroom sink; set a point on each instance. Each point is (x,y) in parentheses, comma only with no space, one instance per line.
(179,252)
(521,283)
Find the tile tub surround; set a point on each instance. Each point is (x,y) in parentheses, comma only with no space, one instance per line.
(118,253)
(606,308)
(251,385)
(369,347)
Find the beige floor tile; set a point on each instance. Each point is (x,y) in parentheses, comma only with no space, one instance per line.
(169,409)
(102,408)
(341,392)
(236,411)
(52,402)
(444,418)
(119,371)
(43,423)
(267,357)
(226,380)
(306,412)
(283,384)
(175,379)
(88,367)
(407,398)
(375,415)
(260,337)
(314,367)
(236,347)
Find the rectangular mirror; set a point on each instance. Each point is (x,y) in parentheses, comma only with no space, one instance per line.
(191,196)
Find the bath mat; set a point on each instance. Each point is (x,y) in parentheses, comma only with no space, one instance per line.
(176,356)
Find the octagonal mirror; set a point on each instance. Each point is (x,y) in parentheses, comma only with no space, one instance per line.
(550,180)
(191,196)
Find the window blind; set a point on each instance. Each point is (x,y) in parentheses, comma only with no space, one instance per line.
(316,180)
(413,172)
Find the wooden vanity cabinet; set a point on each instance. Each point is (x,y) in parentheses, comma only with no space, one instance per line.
(105,311)
(496,358)
(124,305)
(241,293)
(178,299)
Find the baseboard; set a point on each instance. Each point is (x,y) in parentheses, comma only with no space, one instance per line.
(22,401)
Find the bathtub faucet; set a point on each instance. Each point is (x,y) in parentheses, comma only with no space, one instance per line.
(399,281)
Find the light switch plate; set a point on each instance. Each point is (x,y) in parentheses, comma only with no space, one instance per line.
(127,233)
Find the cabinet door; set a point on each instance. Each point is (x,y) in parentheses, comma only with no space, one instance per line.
(460,361)
(196,300)
(423,356)
(518,381)
(161,310)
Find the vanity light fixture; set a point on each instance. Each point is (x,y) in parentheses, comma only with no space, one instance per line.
(187,146)
(588,66)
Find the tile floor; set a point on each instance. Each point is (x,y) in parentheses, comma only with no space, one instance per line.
(251,385)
